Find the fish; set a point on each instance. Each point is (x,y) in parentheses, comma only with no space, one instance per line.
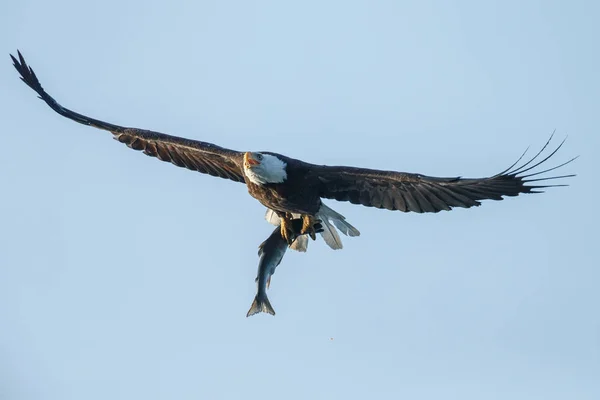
(271,252)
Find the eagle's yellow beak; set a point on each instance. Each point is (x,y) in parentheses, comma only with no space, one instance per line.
(250,161)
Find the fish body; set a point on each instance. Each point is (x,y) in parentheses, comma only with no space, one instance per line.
(271,252)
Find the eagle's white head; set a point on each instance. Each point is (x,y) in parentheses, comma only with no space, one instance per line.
(264,168)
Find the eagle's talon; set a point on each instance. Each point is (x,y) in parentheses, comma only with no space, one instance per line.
(287,231)
(308,226)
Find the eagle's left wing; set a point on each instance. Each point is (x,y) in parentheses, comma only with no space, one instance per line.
(199,156)
(419,193)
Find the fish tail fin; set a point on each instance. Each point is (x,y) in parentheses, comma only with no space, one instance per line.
(261,303)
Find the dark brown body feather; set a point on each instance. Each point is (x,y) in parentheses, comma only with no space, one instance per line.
(307,183)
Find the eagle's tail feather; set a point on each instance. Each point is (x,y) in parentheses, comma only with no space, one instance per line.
(272,217)
(261,303)
(300,244)
(329,234)
(338,220)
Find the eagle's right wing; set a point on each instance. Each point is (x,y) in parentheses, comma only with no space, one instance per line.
(199,156)
(419,193)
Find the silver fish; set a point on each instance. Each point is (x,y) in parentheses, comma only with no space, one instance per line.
(271,252)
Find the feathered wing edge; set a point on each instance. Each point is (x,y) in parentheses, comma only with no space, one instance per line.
(330,219)
(195,155)
(30,79)
(406,192)
(519,171)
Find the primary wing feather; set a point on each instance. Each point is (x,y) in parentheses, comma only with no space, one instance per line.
(419,193)
(199,156)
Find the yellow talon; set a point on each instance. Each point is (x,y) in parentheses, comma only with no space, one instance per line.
(287,231)
(308,226)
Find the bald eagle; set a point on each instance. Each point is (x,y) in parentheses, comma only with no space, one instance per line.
(291,188)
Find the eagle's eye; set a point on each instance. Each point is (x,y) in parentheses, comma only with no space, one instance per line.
(259,156)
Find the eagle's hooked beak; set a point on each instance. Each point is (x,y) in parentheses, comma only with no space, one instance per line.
(250,161)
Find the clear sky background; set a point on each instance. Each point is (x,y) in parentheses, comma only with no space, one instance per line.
(122,277)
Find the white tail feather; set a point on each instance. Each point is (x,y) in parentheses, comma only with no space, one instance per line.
(300,244)
(338,220)
(272,217)
(346,228)
(330,235)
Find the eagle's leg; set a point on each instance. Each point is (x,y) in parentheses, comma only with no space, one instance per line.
(286,227)
(308,226)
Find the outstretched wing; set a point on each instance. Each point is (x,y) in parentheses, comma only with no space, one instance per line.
(419,193)
(199,156)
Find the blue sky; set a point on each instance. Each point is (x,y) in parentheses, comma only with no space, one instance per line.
(123,277)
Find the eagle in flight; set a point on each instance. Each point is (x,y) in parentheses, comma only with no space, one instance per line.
(291,188)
